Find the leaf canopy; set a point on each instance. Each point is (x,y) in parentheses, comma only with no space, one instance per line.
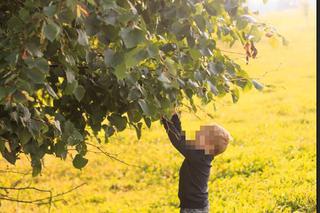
(69,65)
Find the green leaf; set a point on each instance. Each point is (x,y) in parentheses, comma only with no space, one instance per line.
(79,161)
(120,71)
(41,64)
(201,22)
(70,75)
(212,8)
(15,24)
(51,30)
(51,91)
(50,10)
(153,51)
(212,68)
(2,144)
(70,88)
(258,85)
(108,57)
(92,24)
(256,33)
(82,38)
(79,92)
(119,121)
(60,149)
(248,18)
(24,136)
(82,148)
(5,91)
(134,94)
(36,167)
(71,3)
(24,14)
(180,29)
(195,54)
(138,129)
(135,56)
(34,48)
(12,58)
(241,23)
(171,66)
(75,138)
(285,42)
(109,130)
(35,75)
(132,37)
(163,78)
(235,95)
(147,121)
(92,2)
(134,116)
(247,86)
(145,107)
(213,88)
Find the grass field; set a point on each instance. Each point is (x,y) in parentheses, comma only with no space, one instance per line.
(270,166)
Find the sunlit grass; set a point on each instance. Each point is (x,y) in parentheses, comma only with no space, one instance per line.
(270,167)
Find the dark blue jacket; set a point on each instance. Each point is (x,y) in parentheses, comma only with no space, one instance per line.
(195,169)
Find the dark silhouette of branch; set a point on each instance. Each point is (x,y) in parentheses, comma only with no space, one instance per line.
(238,53)
(45,200)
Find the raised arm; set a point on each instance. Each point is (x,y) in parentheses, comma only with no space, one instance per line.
(173,129)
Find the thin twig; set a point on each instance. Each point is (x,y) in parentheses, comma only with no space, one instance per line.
(38,201)
(112,157)
(24,188)
(15,172)
(227,51)
(190,110)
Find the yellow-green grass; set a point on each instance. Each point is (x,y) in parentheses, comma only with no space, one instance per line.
(270,166)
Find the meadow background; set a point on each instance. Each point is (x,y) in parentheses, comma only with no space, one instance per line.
(270,166)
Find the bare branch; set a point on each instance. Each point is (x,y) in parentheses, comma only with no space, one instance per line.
(15,172)
(112,157)
(24,188)
(45,200)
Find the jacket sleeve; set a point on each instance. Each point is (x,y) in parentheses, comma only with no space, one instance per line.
(173,129)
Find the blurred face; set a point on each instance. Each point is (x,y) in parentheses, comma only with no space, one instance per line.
(212,139)
(206,142)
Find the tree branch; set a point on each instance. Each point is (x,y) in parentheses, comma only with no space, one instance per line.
(35,201)
(112,157)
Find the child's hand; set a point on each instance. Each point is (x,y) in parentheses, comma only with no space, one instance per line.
(172,111)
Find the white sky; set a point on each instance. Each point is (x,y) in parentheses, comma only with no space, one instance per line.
(273,5)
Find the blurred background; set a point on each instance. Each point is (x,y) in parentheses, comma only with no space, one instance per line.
(279,5)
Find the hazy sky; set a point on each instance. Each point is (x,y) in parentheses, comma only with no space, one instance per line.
(273,5)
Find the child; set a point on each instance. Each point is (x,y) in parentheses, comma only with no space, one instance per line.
(195,170)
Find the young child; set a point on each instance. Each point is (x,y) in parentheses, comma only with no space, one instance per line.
(210,141)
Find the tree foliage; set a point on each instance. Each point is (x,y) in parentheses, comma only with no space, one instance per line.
(66,66)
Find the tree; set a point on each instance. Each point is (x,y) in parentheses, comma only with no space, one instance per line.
(68,65)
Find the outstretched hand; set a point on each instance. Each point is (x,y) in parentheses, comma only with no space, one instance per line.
(173,111)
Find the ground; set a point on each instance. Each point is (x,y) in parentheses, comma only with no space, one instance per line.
(270,166)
